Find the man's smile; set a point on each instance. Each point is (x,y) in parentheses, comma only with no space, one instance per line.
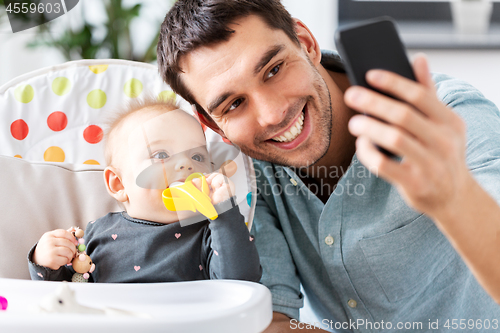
(295,133)
(292,131)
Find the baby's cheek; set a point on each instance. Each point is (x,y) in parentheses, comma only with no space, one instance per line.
(203,167)
(151,200)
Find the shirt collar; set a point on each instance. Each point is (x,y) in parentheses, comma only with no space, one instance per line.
(331,61)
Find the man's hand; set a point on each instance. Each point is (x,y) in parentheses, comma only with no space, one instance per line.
(432,176)
(55,249)
(430,138)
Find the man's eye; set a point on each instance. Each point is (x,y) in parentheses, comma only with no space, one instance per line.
(273,71)
(161,155)
(235,104)
(198,157)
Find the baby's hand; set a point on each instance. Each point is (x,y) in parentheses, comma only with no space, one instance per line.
(222,188)
(55,249)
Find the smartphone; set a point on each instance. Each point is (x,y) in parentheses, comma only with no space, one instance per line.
(372,44)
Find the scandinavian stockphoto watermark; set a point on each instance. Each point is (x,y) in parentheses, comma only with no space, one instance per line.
(441,325)
(325,180)
(360,324)
(26,14)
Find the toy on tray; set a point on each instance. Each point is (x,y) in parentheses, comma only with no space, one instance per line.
(82,264)
(64,301)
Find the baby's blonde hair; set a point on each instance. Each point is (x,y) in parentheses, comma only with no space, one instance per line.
(133,107)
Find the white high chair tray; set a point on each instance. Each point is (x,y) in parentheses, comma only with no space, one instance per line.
(199,306)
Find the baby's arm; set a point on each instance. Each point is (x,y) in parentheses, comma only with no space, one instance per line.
(49,257)
(231,250)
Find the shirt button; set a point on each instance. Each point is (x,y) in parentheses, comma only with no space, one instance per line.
(329,240)
(293,181)
(352,303)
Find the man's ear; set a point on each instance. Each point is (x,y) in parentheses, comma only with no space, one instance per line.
(209,122)
(308,42)
(114,184)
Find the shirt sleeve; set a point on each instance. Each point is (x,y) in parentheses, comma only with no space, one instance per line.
(42,273)
(279,273)
(483,133)
(231,251)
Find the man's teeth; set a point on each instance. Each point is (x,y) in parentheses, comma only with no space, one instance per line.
(293,132)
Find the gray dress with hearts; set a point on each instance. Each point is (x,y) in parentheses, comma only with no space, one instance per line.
(125,249)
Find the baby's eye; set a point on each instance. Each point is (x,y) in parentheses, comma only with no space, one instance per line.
(198,157)
(161,155)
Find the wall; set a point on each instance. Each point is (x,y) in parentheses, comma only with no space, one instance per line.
(481,68)
(16,59)
(320,16)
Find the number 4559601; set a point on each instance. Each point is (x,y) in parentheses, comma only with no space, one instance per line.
(32,8)
(471,324)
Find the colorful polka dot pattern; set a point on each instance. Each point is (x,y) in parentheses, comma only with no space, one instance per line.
(96,99)
(133,88)
(98,69)
(57,121)
(54,154)
(166,95)
(24,93)
(249,198)
(19,129)
(61,86)
(62,121)
(93,134)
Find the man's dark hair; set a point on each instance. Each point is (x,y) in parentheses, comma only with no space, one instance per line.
(194,23)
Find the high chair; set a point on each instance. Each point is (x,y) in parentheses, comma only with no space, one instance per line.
(51,162)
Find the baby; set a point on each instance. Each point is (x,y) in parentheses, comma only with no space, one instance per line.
(146,242)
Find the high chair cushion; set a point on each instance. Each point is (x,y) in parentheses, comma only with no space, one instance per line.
(57,114)
(39,197)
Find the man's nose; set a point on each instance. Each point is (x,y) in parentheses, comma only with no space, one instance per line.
(270,107)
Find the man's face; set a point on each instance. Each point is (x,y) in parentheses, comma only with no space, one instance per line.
(264,94)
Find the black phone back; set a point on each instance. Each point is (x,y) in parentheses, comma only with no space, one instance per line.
(369,45)
(372,44)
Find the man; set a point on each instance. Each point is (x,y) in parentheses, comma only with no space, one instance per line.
(373,250)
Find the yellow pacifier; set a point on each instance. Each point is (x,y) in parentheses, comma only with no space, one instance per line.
(186,196)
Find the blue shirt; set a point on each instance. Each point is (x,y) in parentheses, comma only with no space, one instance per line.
(366,255)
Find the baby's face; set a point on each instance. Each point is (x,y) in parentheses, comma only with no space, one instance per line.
(174,142)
